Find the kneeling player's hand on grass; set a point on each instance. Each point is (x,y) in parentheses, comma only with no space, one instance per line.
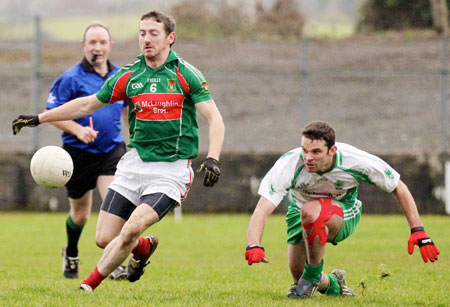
(427,248)
(24,121)
(254,253)
(212,171)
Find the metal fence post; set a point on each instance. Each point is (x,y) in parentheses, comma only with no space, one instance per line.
(304,70)
(447,186)
(36,77)
(444,93)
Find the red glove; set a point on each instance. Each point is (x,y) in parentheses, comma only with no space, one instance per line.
(254,253)
(426,245)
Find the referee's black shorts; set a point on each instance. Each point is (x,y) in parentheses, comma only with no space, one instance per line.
(87,167)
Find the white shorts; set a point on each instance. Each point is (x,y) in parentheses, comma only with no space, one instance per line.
(135,178)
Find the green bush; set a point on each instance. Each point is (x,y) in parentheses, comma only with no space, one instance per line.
(379,15)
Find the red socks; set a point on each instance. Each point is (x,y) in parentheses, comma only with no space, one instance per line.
(142,249)
(94,279)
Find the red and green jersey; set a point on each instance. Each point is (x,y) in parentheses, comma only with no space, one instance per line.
(162,116)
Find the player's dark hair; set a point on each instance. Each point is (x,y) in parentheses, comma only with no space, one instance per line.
(166,20)
(318,130)
(94,24)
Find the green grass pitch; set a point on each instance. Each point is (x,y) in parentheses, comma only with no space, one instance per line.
(200,262)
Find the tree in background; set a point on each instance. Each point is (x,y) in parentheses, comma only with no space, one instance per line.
(201,18)
(380,15)
(283,19)
(439,13)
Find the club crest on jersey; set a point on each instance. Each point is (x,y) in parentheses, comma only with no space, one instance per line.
(205,87)
(389,173)
(171,85)
(339,185)
(137,107)
(272,190)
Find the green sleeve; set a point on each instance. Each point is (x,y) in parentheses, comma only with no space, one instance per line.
(198,86)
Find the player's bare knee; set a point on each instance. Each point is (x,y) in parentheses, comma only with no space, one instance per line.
(310,212)
(79,214)
(317,228)
(101,240)
(100,244)
(79,218)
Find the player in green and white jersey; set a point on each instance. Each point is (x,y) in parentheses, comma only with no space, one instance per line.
(164,92)
(321,179)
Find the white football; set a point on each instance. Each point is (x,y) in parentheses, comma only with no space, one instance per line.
(51,167)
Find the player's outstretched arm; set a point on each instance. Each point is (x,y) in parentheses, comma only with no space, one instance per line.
(418,235)
(73,109)
(209,111)
(255,253)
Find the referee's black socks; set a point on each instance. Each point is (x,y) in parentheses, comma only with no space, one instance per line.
(73,235)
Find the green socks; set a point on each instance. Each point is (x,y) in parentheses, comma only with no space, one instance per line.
(333,287)
(313,273)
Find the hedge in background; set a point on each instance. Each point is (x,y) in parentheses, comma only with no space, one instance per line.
(379,15)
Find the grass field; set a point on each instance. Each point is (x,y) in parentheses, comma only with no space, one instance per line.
(200,262)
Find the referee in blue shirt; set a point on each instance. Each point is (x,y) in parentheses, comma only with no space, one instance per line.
(94,142)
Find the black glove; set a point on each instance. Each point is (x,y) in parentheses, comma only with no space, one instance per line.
(24,121)
(212,171)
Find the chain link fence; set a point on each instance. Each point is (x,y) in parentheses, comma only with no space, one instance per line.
(384,94)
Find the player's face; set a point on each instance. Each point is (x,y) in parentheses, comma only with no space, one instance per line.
(153,40)
(97,42)
(316,155)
